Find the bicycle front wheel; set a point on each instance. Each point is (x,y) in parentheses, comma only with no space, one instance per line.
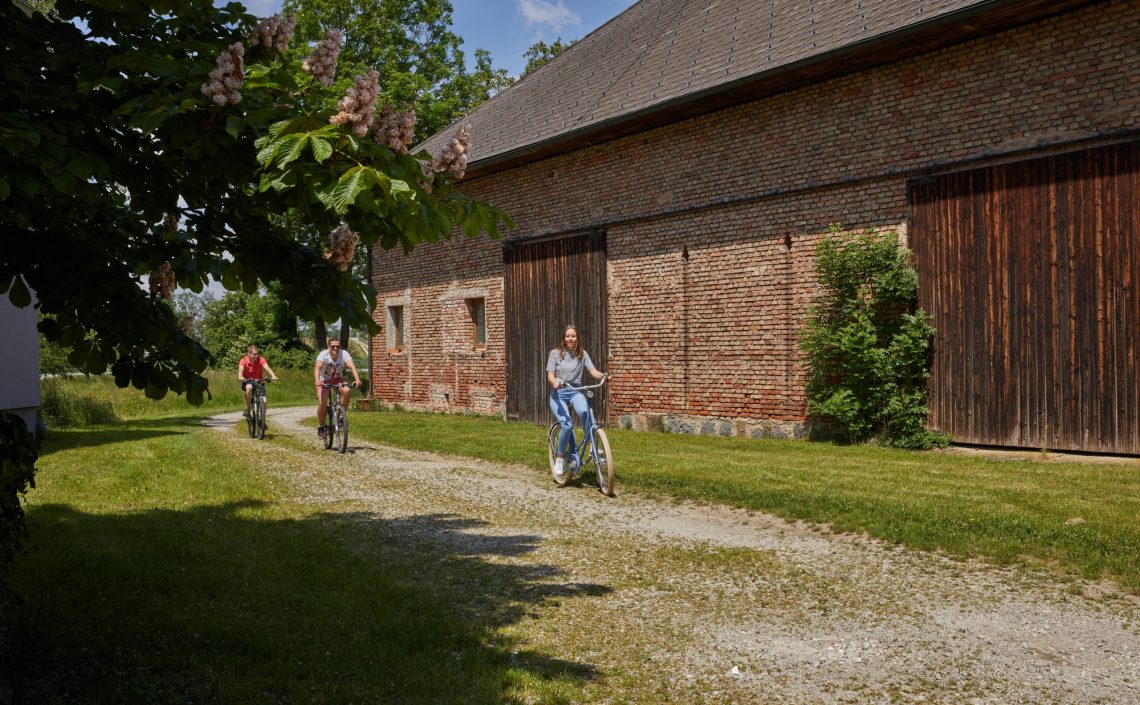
(251,421)
(552,452)
(330,426)
(259,415)
(342,428)
(603,462)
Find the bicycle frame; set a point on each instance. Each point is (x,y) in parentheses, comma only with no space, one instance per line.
(257,405)
(592,434)
(336,417)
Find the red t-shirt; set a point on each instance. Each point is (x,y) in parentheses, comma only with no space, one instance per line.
(252,370)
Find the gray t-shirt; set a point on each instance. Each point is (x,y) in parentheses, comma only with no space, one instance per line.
(568,368)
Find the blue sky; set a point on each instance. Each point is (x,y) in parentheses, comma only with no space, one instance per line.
(507,28)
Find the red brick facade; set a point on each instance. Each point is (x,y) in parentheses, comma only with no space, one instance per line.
(711,223)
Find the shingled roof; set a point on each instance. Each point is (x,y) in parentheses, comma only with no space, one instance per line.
(664,60)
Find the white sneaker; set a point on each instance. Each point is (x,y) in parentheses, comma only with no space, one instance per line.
(559,468)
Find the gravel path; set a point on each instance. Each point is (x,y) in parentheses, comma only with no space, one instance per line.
(662,602)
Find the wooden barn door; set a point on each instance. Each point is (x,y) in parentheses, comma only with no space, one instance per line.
(1030,271)
(547,284)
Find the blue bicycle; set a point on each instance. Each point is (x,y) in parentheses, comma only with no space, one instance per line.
(593,448)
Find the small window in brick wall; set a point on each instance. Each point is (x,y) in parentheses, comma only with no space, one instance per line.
(478,310)
(395,329)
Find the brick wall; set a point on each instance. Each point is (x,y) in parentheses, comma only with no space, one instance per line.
(711,223)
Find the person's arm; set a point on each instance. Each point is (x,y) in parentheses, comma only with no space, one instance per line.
(269,369)
(352,366)
(554,382)
(596,373)
(317,373)
(240,377)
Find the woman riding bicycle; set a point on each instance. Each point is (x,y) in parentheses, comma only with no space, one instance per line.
(329,369)
(564,368)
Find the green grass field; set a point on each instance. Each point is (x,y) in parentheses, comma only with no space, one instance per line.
(165,568)
(1081,518)
(78,401)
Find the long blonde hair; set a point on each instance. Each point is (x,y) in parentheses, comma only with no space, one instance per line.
(562,343)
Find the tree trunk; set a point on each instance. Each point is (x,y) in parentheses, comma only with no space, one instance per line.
(321,332)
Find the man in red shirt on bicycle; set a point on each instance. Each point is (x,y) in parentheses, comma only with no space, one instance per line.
(253,367)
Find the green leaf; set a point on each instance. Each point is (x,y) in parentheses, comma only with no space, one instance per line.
(291,148)
(265,154)
(233,126)
(155,389)
(139,375)
(5,190)
(322,150)
(18,292)
(50,328)
(286,181)
(122,372)
(196,390)
(344,192)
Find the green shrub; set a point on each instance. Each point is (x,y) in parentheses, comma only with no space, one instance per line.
(867,343)
(18,453)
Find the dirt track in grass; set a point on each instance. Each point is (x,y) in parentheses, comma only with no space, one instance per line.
(651,602)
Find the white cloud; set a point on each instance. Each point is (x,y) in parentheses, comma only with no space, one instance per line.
(543,12)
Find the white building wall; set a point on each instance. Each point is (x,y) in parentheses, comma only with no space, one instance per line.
(19,361)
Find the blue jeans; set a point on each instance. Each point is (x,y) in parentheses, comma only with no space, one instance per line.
(559,398)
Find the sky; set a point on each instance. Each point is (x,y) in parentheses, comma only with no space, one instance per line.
(507,28)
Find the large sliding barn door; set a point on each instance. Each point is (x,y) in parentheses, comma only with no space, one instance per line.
(548,284)
(1031,273)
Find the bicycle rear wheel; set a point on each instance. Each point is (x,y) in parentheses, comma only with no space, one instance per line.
(552,452)
(342,428)
(259,417)
(603,462)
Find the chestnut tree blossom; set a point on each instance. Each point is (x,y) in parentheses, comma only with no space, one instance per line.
(358,104)
(322,63)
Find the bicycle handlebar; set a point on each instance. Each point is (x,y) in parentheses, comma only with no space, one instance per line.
(337,385)
(267,380)
(605,377)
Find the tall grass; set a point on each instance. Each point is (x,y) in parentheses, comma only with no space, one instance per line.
(72,402)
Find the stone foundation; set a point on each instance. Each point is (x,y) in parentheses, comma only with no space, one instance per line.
(705,426)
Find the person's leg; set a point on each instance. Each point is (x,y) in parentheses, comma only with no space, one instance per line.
(562,414)
(345,394)
(581,408)
(322,405)
(247,389)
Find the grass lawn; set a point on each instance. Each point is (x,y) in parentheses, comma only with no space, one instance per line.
(84,400)
(1080,518)
(162,569)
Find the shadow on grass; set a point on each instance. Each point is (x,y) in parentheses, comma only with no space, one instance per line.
(232,604)
(68,438)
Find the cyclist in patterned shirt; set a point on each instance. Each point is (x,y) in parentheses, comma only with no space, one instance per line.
(330,370)
(253,366)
